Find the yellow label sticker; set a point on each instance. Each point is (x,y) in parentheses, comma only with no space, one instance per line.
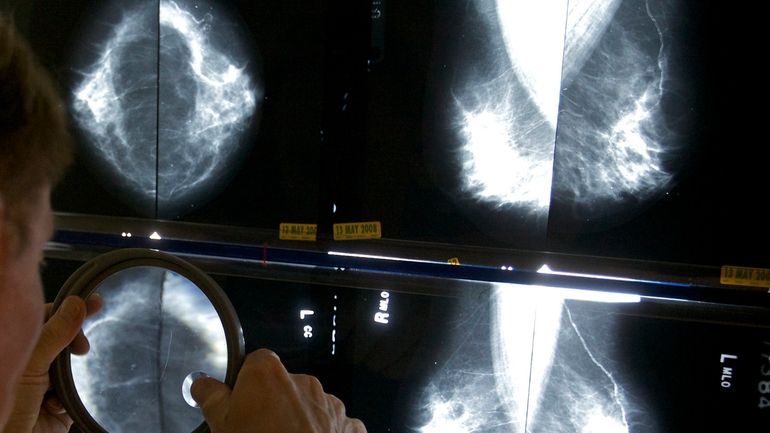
(353,231)
(739,276)
(297,232)
(454,261)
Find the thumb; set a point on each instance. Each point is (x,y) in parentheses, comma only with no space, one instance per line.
(58,332)
(213,397)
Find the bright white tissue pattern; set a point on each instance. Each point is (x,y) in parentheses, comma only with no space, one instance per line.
(166,103)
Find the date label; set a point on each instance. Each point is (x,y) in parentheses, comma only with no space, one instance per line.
(353,231)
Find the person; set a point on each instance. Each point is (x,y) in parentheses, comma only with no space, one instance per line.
(35,151)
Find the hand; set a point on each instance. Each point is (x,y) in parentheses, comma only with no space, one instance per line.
(35,409)
(266,398)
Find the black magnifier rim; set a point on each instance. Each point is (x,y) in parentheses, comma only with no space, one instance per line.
(84,281)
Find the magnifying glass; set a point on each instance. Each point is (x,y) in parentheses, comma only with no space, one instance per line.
(163,324)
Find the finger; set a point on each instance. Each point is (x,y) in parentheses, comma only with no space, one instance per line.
(353,425)
(93,304)
(58,332)
(80,345)
(53,405)
(213,397)
(261,355)
(336,406)
(263,385)
(262,361)
(56,410)
(311,386)
(262,370)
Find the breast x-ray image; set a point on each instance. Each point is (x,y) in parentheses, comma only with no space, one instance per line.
(490,358)
(568,104)
(566,117)
(551,360)
(200,111)
(167,94)
(596,127)
(616,128)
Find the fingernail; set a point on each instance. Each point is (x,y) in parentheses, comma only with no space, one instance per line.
(54,406)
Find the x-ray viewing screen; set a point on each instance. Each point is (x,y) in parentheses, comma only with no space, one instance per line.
(202,110)
(506,358)
(624,128)
(608,127)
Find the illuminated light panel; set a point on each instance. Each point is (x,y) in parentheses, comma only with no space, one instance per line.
(500,169)
(587,21)
(592,412)
(610,142)
(587,295)
(446,417)
(377,257)
(506,120)
(545,269)
(607,296)
(612,139)
(527,325)
(182,106)
(601,423)
(101,108)
(533,34)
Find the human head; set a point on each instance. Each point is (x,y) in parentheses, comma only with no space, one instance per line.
(35,150)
